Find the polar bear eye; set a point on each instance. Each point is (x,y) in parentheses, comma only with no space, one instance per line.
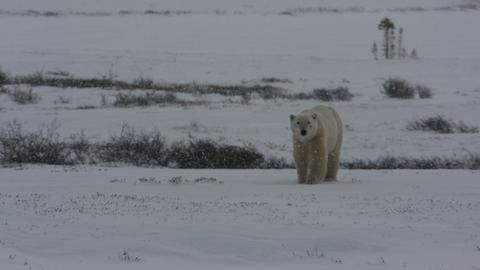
(309,122)
(298,123)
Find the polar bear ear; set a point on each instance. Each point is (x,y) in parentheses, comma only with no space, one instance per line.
(292,117)
(314,116)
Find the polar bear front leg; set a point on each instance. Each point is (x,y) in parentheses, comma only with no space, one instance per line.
(318,160)
(300,154)
(332,167)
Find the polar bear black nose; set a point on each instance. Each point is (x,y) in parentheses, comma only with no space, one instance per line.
(303,132)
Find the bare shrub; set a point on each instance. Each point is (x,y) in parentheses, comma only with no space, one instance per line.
(440,124)
(103,100)
(62,100)
(299,96)
(39,79)
(81,150)
(126,257)
(398,88)
(423,91)
(207,153)
(334,94)
(464,128)
(146,99)
(86,107)
(144,83)
(41,146)
(131,146)
(471,162)
(59,73)
(274,80)
(23,96)
(276,163)
(3,77)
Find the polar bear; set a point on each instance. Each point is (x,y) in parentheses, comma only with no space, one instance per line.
(317,139)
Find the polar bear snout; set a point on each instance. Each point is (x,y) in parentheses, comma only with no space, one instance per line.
(303,132)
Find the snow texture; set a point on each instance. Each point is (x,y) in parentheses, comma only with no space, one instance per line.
(112,218)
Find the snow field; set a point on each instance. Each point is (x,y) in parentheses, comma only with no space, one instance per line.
(78,216)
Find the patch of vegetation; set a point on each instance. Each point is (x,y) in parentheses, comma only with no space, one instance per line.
(471,162)
(86,107)
(276,163)
(424,91)
(51,13)
(133,147)
(334,94)
(41,146)
(22,96)
(267,92)
(398,88)
(37,13)
(3,77)
(45,146)
(58,73)
(149,99)
(324,94)
(274,80)
(402,89)
(207,153)
(39,79)
(126,257)
(440,124)
(139,148)
(3,90)
(80,150)
(62,100)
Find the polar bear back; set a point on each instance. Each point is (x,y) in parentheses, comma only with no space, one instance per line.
(330,125)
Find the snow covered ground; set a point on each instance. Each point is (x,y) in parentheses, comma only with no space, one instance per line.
(87,217)
(109,218)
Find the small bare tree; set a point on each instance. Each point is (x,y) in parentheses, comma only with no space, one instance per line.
(374,50)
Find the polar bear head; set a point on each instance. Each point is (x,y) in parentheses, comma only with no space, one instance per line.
(304,126)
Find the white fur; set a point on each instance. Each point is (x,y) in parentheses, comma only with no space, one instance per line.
(317,139)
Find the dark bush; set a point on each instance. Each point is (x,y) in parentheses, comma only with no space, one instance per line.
(3,78)
(146,99)
(398,88)
(139,148)
(441,125)
(144,83)
(41,146)
(275,80)
(23,96)
(335,94)
(276,163)
(472,162)
(81,150)
(299,96)
(51,13)
(39,79)
(206,153)
(423,91)
(463,128)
